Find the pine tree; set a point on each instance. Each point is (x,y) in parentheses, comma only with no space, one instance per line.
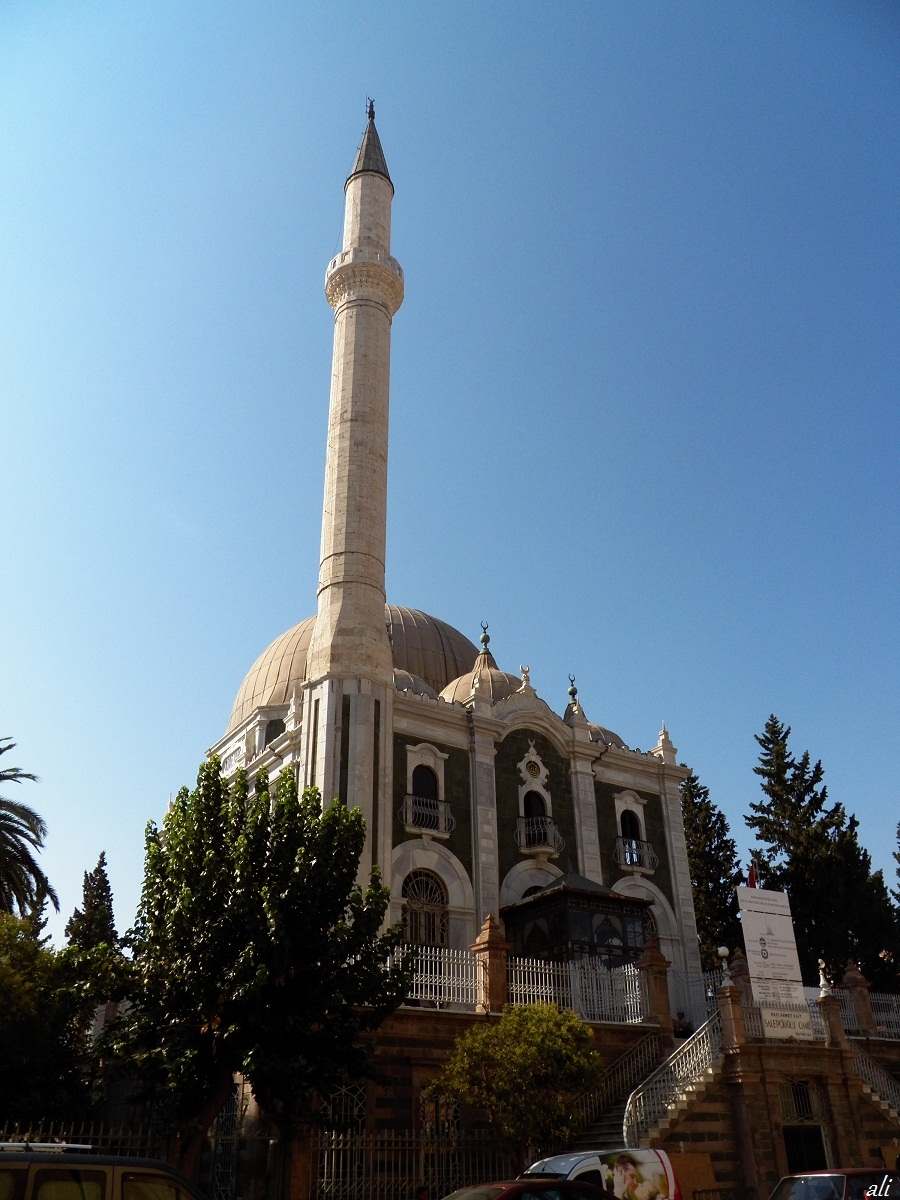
(896,892)
(811,850)
(35,919)
(93,924)
(715,870)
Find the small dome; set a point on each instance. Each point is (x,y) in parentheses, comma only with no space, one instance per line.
(405,681)
(427,649)
(493,683)
(599,734)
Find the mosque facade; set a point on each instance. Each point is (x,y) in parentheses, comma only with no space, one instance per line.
(479,798)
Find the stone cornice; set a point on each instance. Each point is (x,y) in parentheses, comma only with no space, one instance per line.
(360,274)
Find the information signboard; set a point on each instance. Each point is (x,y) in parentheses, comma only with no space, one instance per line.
(771,949)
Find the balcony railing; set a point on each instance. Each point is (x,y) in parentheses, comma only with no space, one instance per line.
(633,853)
(430,816)
(538,835)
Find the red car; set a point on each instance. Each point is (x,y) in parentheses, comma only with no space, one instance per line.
(530,1189)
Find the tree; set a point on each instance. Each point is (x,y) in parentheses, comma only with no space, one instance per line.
(715,870)
(525,1072)
(93,924)
(896,893)
(811,850)
(40,1044)
(22,831)
(255,951)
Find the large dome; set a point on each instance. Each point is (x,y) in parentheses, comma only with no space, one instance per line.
(422,645)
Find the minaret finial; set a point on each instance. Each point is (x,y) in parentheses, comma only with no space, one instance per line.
(573,690)
(485,638)
(370,108)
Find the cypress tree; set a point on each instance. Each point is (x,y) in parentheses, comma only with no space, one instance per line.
(811,850)
(715,870)
(93,924)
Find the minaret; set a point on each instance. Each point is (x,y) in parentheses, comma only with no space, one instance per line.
(364,286)
(348,697)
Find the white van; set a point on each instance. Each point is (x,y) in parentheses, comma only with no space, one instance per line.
(623,1174)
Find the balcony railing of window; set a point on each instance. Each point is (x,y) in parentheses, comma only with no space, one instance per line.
(539,834)
(632,853)
(427,815)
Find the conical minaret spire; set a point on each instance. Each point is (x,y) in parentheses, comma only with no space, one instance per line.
(364,286)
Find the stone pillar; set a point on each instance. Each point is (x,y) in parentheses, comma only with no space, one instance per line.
(654,967)
(485,834)
(740,974)
(732,1013)
(830,1008)
(491,950)
(585,800)
(861,1002)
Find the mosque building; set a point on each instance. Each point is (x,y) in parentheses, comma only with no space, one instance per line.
(478,797)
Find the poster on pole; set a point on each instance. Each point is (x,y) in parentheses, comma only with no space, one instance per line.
(771,949)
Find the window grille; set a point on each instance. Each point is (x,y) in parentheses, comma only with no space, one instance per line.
(425,915)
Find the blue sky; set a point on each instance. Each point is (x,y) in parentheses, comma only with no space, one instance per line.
(643,390)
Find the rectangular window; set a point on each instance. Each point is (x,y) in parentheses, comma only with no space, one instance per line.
(69,1183)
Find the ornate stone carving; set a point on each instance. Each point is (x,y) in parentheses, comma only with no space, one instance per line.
(375,277)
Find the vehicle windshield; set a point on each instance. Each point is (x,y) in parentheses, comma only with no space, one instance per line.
(557,1167)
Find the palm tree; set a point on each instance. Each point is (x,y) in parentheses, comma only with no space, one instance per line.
(21,831)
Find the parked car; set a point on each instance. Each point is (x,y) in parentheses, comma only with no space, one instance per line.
(625,1174)
(529,1189)
(841,1183)
(48,1172)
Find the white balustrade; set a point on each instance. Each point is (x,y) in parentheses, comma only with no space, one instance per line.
(886,1011)
(596,992)
(691,1062)
(443,977)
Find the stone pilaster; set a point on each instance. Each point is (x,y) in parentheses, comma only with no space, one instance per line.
(589,863)
(485,846)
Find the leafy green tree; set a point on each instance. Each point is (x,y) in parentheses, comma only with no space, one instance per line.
(811,850)
(42,1023)
(525,1072)
(715,870)
(22,832)
(93,924)
(255,951)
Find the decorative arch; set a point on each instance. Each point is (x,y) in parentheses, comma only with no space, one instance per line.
(663,914)
(524,875)
(532,718)
(417,854)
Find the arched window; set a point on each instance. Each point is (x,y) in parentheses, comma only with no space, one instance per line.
(425,915)
(425,811)
(533,804)
(631,826)
(535,810)
(631,838)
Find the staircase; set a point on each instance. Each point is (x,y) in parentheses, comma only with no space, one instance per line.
(880,1087)
(601,1111)
(663,1096)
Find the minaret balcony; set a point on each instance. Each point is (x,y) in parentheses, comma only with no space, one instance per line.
(431,818)
(539,836)
(635,855)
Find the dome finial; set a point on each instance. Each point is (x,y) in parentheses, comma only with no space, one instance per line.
(485,638)
(573,690)
(370,108)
